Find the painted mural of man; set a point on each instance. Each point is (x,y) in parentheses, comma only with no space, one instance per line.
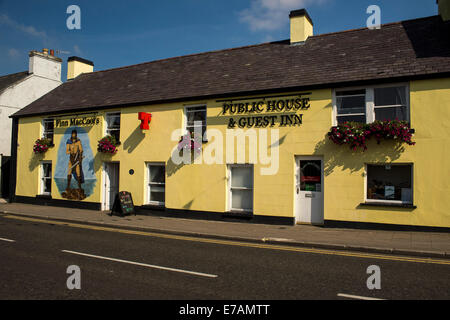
(74,149)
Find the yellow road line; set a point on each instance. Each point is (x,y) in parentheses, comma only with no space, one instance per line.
(236,243)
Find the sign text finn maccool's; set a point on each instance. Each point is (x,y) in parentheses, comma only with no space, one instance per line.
(84,121)
(262,114)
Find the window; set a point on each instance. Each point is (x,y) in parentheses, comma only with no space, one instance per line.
(241,188)
(311,175)
(113,125)
(46,178)
(389,183)
(351,106)
(156,184)
(367,105)
(49,126)
(196,117)
(390,104)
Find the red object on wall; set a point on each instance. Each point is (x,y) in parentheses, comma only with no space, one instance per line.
(145,118)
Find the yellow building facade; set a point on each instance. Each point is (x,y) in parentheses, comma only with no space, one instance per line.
(311,130)
(205,188)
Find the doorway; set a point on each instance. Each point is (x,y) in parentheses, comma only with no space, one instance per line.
(309,190)
(5,173)
(111,171)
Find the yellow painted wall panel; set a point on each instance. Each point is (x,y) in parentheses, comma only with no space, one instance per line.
(203,187)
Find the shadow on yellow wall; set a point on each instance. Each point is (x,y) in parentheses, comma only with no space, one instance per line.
(133,140)
(35,161)
(343,158)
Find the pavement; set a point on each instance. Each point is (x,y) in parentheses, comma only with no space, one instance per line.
(406,243)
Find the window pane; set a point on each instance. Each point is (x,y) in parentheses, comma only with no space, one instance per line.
(385,114)
(241,177)
(351,105)
(46,178)
(48,124)
(343,119)
(389,183)
(191,130)
(351,93)
(47,186)
(390,96)
(47,170)
(201,108)
(157,174)
(199,116)
(113,120)
(114,133)
(156,196)
(311,175)
(242,200)
(48,129)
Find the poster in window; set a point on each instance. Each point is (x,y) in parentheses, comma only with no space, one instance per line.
(389,192)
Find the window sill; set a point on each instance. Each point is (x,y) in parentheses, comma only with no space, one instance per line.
(388,204)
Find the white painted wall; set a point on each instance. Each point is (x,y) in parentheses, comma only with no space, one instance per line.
(46,77)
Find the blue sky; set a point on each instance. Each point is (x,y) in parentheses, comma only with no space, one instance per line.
(119,33)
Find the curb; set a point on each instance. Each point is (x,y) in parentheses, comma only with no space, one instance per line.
(270,241)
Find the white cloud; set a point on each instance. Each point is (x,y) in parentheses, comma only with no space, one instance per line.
(270,15)
(30,30)
(77,50)
(13,53)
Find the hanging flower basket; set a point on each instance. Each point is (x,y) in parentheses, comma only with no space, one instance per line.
(356,135)
(107,145)
(42,145)
(188,142)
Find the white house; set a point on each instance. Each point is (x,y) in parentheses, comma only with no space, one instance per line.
(19,90)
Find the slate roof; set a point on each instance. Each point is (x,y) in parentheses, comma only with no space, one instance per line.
(402,50)
(10,79)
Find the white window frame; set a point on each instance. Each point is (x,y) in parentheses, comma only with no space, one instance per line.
(109,114)
(186,111)
(335,97)
(370,100)
(43,178)
(230,188)
(44,132)
(149,183)
(374,201)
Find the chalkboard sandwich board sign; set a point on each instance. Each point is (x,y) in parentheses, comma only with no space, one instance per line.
(124,204)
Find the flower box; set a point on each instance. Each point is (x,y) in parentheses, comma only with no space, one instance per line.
(107,145)
(356,135)
(42,145)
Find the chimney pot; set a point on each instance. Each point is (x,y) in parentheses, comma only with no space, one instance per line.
(77,66)
(302,26)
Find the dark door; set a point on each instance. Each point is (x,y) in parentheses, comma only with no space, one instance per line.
(5,174)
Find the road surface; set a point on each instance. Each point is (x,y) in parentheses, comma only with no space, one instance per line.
(115,264)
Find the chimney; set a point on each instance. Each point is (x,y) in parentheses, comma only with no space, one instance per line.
(444,9)
(45,65)
(77,66)
(302,26)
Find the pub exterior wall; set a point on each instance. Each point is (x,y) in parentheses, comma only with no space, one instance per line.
(201,187)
